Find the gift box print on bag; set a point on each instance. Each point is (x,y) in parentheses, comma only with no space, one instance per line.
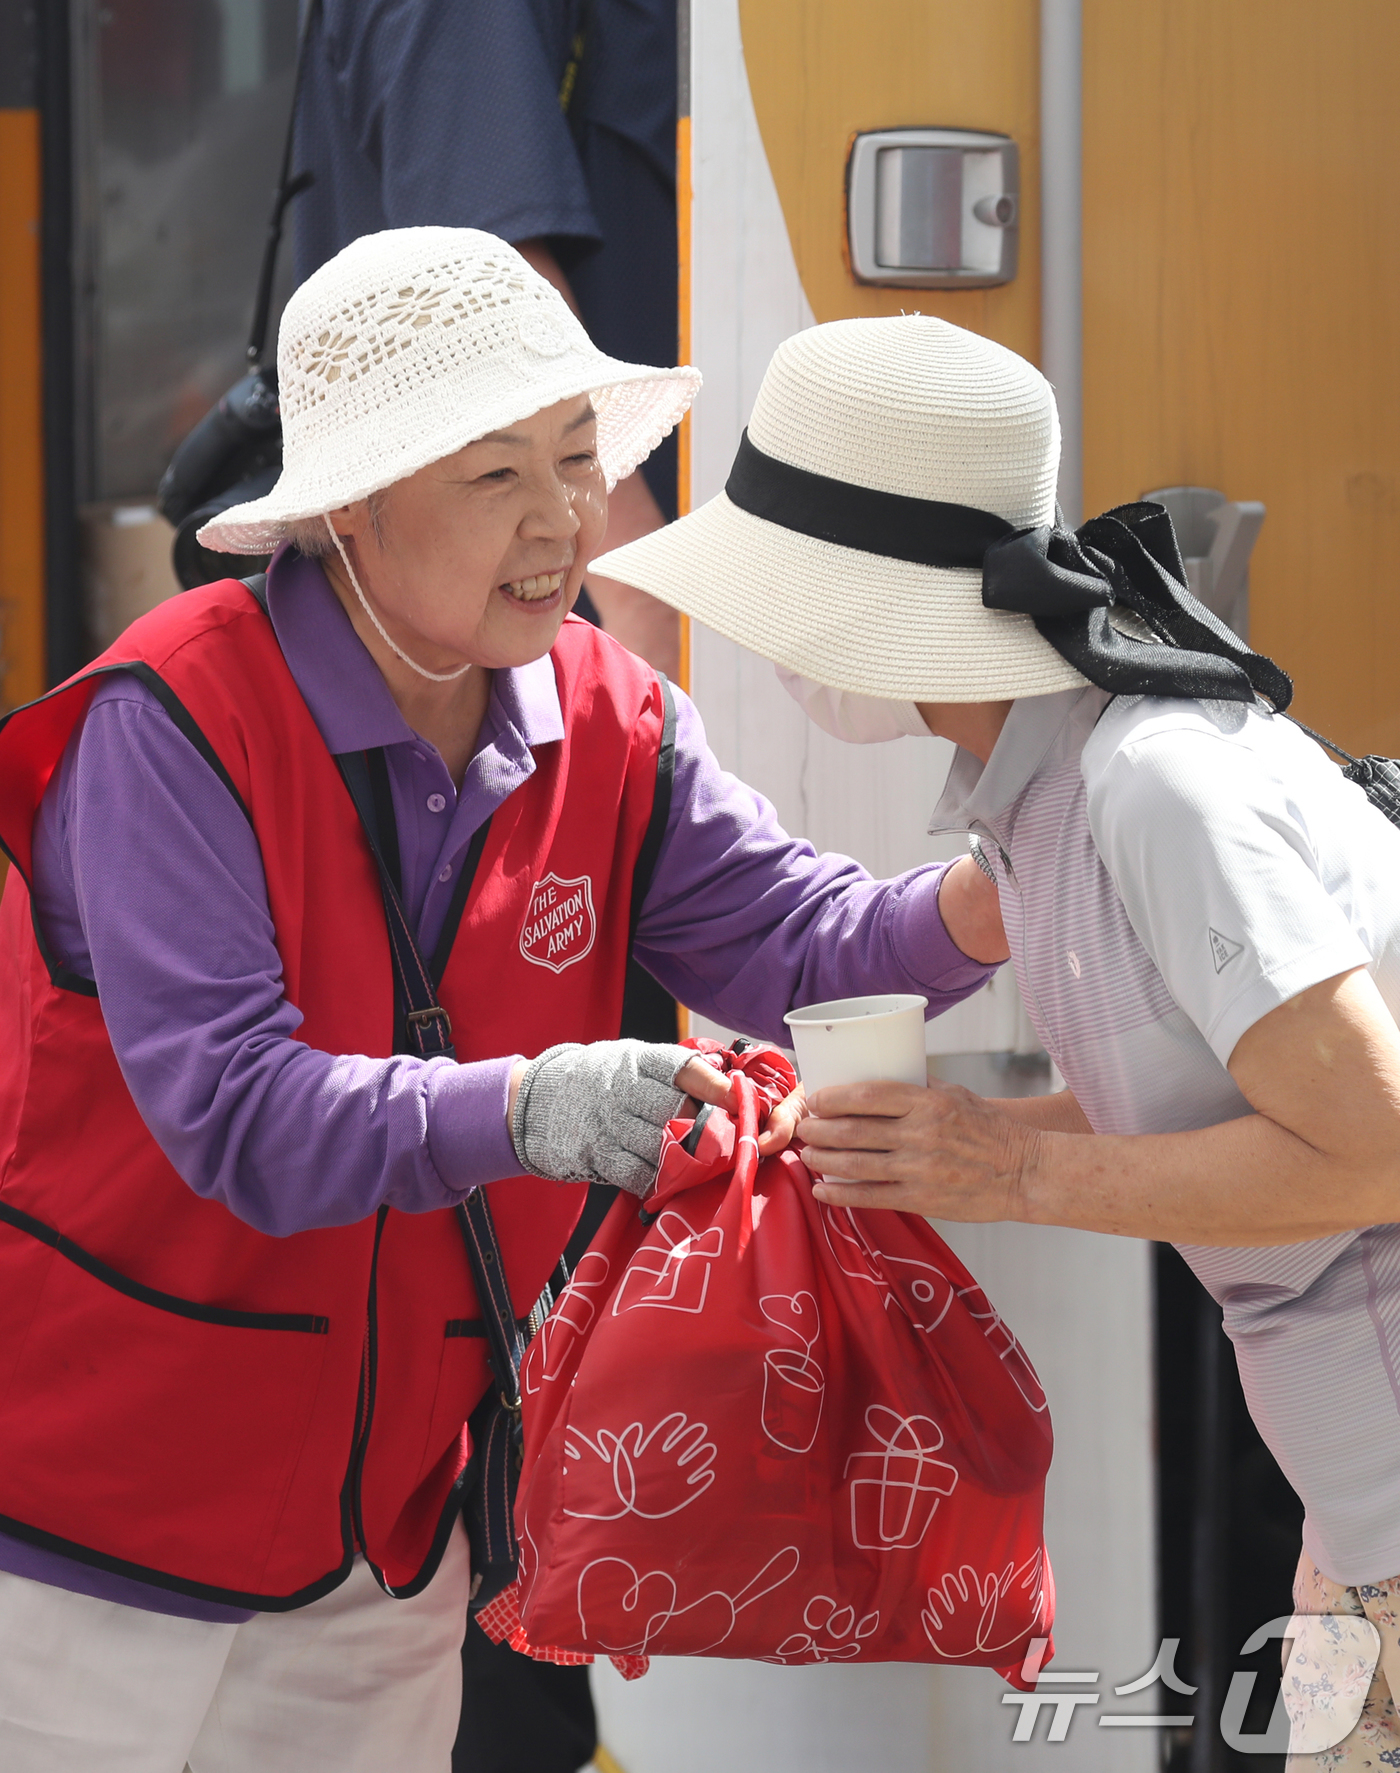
(758,1426)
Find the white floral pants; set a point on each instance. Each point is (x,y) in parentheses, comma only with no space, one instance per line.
(1322,1672)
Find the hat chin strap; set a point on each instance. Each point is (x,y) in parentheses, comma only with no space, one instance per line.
(413,665)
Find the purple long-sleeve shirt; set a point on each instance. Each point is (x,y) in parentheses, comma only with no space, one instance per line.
(149,880)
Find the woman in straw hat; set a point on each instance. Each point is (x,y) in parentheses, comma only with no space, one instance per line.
(323,897)
(1201,911)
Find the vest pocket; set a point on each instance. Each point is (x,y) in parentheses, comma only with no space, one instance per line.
(152,1429)
(462,1376)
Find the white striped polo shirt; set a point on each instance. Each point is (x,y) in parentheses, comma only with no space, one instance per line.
(1169,872)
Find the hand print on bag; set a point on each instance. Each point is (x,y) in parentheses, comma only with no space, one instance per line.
(963,1597)
(676,1278)
(647,1468)
(644,1606)
(896,1486)
(833,1634)
(793,1383)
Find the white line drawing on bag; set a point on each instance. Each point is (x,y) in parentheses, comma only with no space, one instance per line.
(526,1562)
(833,1634)
(963,1591)
(851,1249)
(676,1278)
(1008,1350)
(614,1588)
(572,1315)
(930,1291)
(893,1504)
(794,1384)
(651,1462)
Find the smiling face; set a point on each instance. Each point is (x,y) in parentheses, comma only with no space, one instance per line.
(480,556)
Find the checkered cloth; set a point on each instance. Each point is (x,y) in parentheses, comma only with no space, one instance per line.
(500,1620)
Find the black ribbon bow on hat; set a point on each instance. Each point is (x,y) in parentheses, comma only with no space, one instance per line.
(1067,582)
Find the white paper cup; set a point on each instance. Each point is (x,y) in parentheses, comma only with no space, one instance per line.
(860,1040)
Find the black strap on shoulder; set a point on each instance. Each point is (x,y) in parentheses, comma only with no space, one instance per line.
(288,187)
(1378,778)
(660,810)
(366,774)
(458,904)
(504,1342)
(386,826)
(257,584)
(425,1030)
(422,1026)
(648,1010)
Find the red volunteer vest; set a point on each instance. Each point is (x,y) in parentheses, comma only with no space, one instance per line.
(183,1398)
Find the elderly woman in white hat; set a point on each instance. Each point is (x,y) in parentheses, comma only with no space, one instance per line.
(1201,911)
(316,940)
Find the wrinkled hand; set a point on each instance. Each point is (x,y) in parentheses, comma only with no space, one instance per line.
(939,1151)
(780,1128)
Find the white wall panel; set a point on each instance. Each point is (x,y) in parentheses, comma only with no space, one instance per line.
(868,801)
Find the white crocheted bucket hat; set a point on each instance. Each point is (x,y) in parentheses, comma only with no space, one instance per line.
(413,343)
(794,561)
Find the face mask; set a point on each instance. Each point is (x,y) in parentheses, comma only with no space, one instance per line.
(859,720)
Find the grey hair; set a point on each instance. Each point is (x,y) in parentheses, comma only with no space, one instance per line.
(309,535)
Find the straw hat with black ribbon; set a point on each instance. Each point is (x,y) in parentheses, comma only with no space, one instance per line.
(889,528)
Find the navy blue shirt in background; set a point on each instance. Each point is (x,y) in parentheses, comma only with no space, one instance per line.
(447,112)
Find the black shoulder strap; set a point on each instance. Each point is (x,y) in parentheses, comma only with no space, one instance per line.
(257,584)
(426,1031)
(385,824)
(424,1027)
(288,187)
(453,921)
(648,1010)
(660,810)
(1378,778)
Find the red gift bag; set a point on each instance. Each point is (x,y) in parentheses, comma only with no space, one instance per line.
(759,1426)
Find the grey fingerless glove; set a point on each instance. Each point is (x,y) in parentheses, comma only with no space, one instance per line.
(596,1113)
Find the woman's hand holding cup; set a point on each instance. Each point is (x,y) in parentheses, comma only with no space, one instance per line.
(936,1150)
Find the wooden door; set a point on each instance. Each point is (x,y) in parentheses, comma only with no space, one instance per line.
(1241,270)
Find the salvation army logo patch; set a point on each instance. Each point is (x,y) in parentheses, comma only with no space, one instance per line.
(559,924)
